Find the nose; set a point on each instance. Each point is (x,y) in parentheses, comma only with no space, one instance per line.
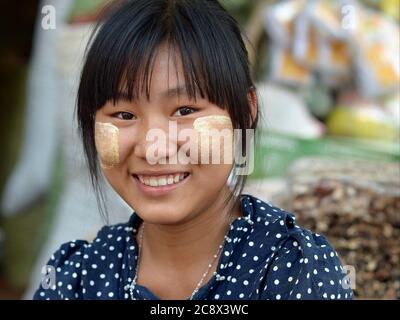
(157,142)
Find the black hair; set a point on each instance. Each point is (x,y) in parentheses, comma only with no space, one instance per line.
(122,50)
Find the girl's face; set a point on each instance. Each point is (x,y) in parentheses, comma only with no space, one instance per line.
(121,130)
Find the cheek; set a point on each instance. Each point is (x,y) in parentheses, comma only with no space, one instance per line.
(107,144)
(112,144)
(126,143)
(210,180)
(214,138)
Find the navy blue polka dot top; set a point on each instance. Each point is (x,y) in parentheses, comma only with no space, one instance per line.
(266,256)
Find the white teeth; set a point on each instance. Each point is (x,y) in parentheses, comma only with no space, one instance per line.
(161,180)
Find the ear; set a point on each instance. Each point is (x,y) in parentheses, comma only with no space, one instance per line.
(253,102)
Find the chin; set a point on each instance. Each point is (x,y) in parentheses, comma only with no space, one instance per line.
(162,215)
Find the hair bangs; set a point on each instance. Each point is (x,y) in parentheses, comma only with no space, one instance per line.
(127,45)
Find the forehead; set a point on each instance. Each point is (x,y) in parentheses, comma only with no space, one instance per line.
(167,69)
(166,78)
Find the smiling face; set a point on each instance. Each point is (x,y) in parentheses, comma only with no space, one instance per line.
(161,193)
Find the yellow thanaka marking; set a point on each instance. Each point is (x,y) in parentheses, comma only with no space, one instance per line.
(107,144)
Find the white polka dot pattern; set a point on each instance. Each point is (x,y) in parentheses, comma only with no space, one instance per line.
(266,257)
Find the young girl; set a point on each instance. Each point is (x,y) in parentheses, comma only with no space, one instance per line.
(192,234)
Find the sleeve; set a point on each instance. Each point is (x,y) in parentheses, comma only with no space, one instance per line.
(306,267)
(61,277)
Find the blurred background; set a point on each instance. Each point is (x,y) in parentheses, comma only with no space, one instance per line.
(328,80)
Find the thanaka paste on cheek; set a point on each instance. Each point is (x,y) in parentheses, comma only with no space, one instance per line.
(107,144)
(204,126)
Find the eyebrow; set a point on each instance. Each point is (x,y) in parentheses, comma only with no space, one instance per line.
(170,93)
(123,95)
(177,91)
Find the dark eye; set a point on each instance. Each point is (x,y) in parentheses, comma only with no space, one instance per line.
(183,111)
(124,115)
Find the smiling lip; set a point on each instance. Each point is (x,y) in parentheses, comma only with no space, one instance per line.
(158,190)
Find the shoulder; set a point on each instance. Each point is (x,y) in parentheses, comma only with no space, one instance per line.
(299,264)
(66,271)
(61,274)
